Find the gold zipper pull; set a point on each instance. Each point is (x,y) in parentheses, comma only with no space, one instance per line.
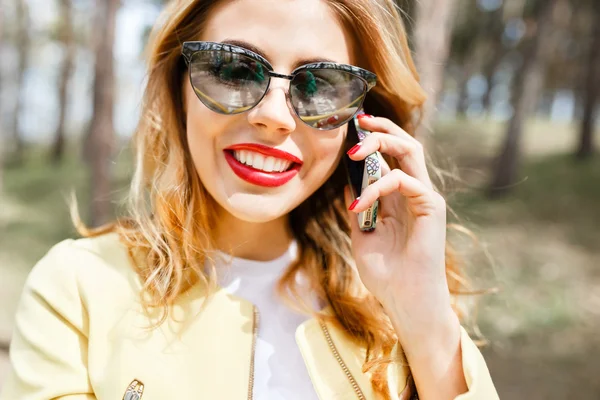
(134,390)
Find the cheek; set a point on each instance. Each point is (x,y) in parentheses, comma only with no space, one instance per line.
(194,113)
(202,125)
(198,132)
(201,131)
(327,153)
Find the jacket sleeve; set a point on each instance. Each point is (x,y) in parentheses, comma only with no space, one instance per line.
(477,376)
(48,352)
(476,372)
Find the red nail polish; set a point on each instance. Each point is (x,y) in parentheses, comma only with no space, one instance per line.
(361,116)
(354,149)
(354,203)
(333,119)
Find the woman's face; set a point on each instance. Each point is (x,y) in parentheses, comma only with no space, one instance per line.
(288,33)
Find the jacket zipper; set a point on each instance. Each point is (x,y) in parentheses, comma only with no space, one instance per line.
(340,361)
(332,347)
(255,322)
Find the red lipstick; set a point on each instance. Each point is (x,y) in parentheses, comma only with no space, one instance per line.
(266,150)
(256,176)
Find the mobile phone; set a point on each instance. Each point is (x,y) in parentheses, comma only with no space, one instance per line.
(361,174)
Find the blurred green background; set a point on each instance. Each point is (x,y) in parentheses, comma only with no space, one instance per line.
(514,94)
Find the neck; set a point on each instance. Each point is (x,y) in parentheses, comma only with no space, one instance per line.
(259,241)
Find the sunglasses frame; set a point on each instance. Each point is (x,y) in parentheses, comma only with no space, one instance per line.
(369,78)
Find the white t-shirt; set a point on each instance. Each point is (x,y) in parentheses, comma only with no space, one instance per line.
(279,370)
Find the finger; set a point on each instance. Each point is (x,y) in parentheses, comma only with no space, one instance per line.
(421,200)
(409,153)
(387,126)
(384,125)
(349,200)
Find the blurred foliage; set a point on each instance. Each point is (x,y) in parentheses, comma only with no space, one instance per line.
(36,213)
(542,237)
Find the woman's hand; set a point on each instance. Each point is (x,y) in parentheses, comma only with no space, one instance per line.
(402,262)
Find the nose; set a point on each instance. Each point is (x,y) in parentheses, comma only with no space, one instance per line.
(273,114)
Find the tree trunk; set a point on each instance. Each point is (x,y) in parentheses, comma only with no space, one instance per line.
(462,103)
(66,70)
(527,85)
(432,45)
(489,70)
(22,43)
(494,25)
(486,100)
(100,141)
(591,88)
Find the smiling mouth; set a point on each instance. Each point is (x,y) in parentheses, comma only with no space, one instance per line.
(262,177)
(261,162)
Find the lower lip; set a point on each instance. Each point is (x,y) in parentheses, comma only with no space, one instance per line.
(257,177)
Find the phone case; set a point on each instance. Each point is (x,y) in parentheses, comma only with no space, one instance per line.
(371,173)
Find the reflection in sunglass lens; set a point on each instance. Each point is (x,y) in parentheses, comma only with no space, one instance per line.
(228,82)
(326,98)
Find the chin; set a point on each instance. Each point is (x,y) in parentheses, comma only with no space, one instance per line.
(257,208)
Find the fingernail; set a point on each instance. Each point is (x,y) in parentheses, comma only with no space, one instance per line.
(354,149)
(354,203)
(361,116)
(333,119)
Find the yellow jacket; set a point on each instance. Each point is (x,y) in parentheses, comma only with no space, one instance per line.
(81,333)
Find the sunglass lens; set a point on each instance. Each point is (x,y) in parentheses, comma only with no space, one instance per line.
(326,98)
(227,82)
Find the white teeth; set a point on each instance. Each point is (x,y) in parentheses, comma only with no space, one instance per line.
(260,161)
(269,164)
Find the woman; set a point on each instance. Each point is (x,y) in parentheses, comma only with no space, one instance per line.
(239,192)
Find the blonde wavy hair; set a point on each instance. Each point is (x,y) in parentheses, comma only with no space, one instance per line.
(170,212)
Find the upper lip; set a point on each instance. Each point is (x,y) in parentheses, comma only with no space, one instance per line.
(266,150)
